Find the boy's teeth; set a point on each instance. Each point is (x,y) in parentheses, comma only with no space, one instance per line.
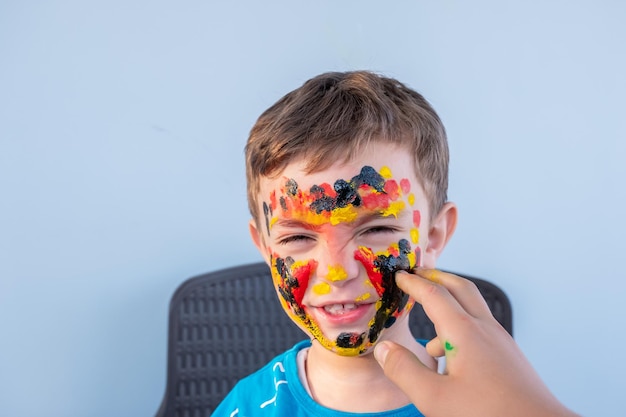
(339,308)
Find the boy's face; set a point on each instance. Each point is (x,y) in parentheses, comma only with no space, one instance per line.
(334,240)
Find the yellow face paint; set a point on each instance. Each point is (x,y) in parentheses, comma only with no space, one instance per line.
(393,209)
(336,273)
(321,288)
(363,297)
(385,172)
(415,236)
(343,215)
(343,202)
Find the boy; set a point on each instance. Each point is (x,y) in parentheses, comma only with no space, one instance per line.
(347,181)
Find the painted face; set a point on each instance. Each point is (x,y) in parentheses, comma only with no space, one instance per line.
(334,248)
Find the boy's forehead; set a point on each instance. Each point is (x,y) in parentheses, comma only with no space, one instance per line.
(343,193)
(388,164)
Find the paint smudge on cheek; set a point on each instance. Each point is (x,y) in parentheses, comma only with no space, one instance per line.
(417,218)
(321,288)
(418,256)
(415,233)
(363,297)
(367,257)
(381,268)
(292,279)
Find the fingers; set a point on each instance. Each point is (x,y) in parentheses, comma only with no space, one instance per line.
(438,303)
(435,348)
(406,371)
(464,291)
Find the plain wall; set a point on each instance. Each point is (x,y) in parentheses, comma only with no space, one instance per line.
(122,125)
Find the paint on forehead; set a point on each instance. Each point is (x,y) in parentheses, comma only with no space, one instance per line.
(394,209)
(385,172)
(339,203)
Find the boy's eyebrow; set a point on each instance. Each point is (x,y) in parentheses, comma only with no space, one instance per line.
(296,223)
(375,215)
(379,215)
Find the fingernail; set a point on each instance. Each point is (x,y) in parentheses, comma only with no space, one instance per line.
(380,352)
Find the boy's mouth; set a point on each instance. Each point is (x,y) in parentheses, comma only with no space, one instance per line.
(339,309)
(344,313)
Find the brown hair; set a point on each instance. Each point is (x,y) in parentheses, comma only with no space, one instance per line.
(333,116)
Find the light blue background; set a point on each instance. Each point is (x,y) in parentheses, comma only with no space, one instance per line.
(122,125)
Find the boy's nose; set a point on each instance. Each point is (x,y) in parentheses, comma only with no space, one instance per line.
(338,267)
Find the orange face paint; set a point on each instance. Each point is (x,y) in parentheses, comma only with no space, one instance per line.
(338,203)
(343,202)
(291,279)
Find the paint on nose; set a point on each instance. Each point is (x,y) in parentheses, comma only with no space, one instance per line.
(336,273)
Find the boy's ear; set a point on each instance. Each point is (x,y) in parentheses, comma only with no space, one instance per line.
(440,232)
(258,240)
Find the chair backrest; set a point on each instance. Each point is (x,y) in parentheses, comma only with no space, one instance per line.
(226,324)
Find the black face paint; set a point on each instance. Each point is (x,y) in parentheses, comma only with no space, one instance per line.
(347,192)
(267,212)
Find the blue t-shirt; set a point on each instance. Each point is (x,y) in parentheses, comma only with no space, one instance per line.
(276,390)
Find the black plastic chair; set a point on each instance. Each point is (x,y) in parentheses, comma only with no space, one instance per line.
(226,324)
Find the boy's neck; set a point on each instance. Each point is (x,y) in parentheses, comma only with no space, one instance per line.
(357,384)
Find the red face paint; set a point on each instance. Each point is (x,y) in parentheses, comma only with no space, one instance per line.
(328,205)
(367,258)
(417,218)
(337,203)
(292,280)
(405,185)
(381,268)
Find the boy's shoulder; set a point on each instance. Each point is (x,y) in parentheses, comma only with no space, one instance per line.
(276,390)
(268,391)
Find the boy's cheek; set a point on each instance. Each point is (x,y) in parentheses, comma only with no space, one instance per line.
(291,278)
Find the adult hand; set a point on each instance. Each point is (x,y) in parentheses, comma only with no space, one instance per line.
(487,374)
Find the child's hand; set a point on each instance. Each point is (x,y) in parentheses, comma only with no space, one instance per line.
(487,374)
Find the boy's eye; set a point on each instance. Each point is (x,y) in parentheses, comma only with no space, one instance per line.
(293,239)
(380,229)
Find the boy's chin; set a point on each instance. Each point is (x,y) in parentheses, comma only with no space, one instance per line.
(348,344)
